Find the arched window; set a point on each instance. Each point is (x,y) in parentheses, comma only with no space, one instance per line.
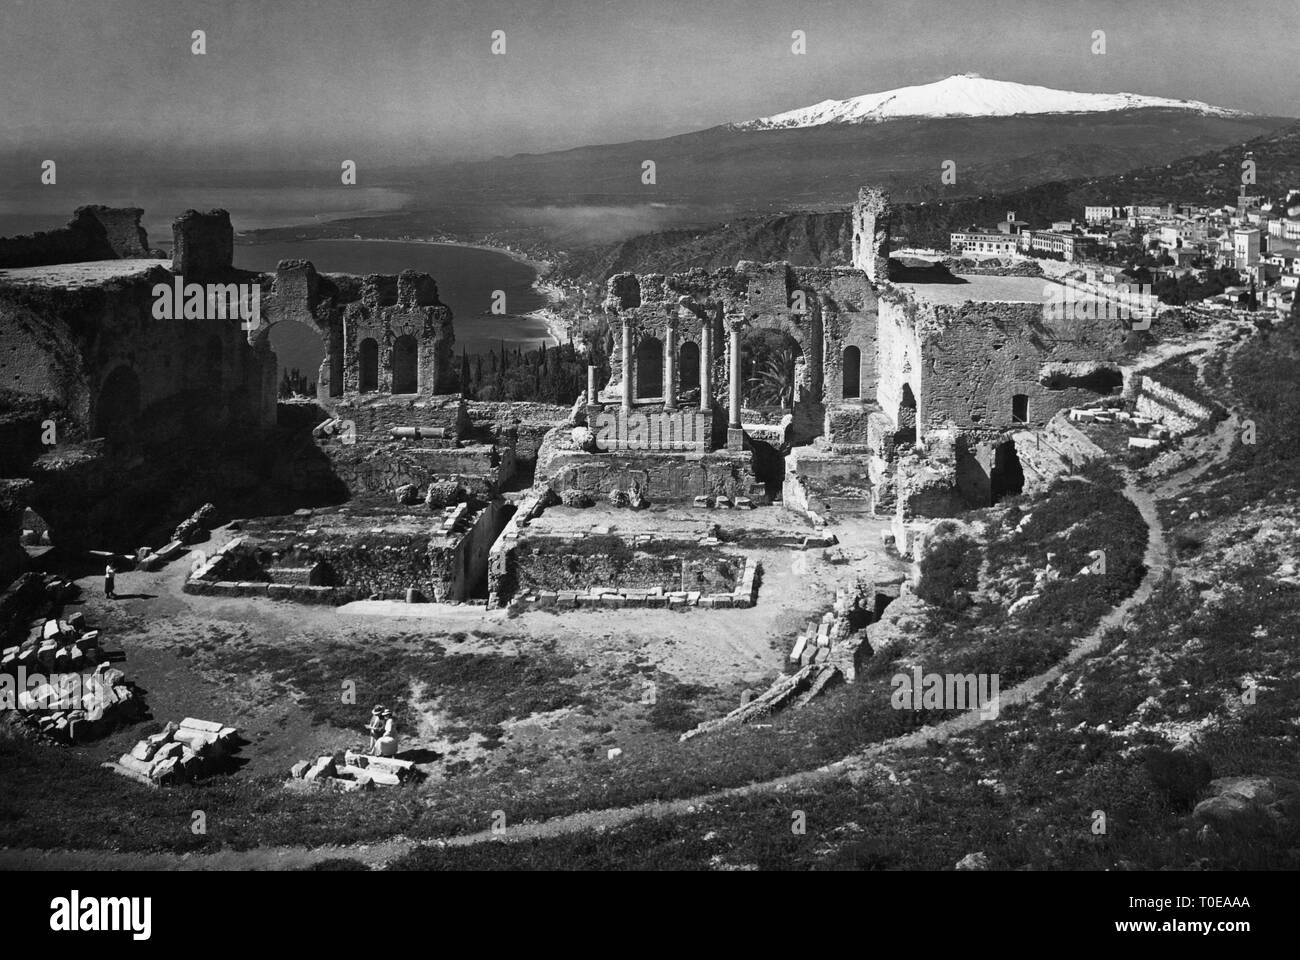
(688,366)
(368,365)
(649,368)
(1020,408)
(405,354)
(852,373)
(906,416)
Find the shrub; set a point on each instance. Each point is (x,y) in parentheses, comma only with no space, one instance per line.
(950,563)
(1178,777)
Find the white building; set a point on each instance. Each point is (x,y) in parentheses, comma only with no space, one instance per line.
(1245,247)
(1096,215)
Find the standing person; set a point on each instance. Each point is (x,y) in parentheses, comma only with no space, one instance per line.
(109,576)
(375,728)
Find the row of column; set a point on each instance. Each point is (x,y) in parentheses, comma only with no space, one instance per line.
(670,371)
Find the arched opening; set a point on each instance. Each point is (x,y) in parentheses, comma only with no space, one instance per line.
(649,368)
(299,351)
(368,365)
(769,364)
(852,378)
(118,408)
(213,361)
(405,364)
(906,416)
(688,367)
(1008,479)
(1020,408)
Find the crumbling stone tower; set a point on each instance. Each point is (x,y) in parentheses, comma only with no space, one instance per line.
(871,224)
(203,244)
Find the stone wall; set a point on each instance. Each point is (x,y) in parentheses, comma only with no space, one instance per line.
(367,469)
(345,311)
(661,477)
(821,310)
(521,425)
(96,347)
(552,564)
(203,245)
(1057,449)
(1177,411)
(94,233)
(975,356)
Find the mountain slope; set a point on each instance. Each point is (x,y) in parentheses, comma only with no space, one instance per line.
(739,172)
(822,238)
(968,95)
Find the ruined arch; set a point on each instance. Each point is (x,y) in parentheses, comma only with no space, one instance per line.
(770,359)
(688,366)
(852,374)
(649,368)
(117,410)
(1007,477)
(405,362)
(368,365)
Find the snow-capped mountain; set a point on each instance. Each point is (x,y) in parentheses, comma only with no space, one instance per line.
(969,95)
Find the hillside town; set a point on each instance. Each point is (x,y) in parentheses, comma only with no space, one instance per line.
(1241,255)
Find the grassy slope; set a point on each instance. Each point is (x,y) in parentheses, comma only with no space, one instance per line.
(53,797)
(1026,789)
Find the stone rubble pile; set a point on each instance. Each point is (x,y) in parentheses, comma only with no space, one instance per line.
(190,530)
(80,695)
(180,753)
(349,772)
(1149,433)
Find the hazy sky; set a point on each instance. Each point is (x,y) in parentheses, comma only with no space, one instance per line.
(396,81)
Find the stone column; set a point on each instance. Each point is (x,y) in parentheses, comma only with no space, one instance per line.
(735,432)
(733,417)
(670,366)
(627,367)
(591,384)
(706,364)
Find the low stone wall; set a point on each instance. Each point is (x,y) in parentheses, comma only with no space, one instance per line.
(637,564)
(377,417)
(1177,411)
(660,477)
(445,563)
(378,469)
(744,595)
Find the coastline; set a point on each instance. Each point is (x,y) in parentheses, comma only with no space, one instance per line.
(557,327)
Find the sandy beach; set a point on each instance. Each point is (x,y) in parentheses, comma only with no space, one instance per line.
(557,327)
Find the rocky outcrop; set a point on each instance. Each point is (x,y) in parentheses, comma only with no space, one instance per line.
(1249,806)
